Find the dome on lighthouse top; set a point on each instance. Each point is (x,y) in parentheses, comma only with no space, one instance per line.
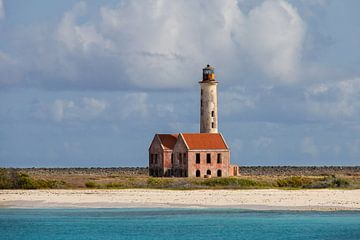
(208,73)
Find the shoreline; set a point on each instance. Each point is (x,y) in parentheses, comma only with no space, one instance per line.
(259,199)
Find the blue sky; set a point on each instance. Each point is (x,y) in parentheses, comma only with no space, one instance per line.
(88,83)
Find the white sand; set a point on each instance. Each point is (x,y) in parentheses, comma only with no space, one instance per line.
(269,199)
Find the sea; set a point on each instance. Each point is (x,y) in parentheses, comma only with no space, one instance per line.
(207,224)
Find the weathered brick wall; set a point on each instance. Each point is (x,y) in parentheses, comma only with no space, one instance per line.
(156,168)
(180,166)
(167,160)
(213,166)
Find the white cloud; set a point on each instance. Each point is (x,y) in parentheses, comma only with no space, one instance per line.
(79,36)
(338,100)
(94,106)
(236,100)
(165,109)
(62,110)
(163,44)
(309,147)
(2,10)
(273,36)
(134,105)
(9,73)
(166,44)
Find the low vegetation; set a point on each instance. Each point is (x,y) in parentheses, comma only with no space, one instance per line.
(234,182)
(294,182)
(14,179)
(10,179)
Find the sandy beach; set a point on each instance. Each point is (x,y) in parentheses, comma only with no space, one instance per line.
(267,199)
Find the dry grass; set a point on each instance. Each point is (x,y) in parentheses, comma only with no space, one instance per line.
(94,179)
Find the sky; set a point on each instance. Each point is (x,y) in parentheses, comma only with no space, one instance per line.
(89,83)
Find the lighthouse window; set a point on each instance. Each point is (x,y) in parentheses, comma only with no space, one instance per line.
(212,113)
(212,125)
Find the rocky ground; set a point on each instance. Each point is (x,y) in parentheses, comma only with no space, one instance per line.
(245,171)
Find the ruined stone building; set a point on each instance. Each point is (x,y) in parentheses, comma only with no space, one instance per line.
(203,154)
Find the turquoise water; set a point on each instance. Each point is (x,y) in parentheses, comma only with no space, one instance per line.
(182,224)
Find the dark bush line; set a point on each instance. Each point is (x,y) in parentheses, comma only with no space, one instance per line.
(11,179)
(304,182)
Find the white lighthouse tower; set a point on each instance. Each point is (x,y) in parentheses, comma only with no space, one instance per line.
(208,102)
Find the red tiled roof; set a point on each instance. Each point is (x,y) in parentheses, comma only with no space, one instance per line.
(199,141)
(168,140)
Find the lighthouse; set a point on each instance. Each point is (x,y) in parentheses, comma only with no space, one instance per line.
(203,154)
(208,101)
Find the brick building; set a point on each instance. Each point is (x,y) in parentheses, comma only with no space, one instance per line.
(203,154)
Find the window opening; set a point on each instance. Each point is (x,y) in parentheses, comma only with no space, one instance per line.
(219,160)
(208,158)
(198,158)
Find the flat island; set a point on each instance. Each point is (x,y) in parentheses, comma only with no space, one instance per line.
(258,188)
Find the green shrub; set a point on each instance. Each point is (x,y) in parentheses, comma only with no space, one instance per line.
(329,182)
(231,182)
(91,185)
(51,184)
(294,182)
(12,179)
(341,183)
(25,182)
(117,185)
(159,182)
(5,179)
